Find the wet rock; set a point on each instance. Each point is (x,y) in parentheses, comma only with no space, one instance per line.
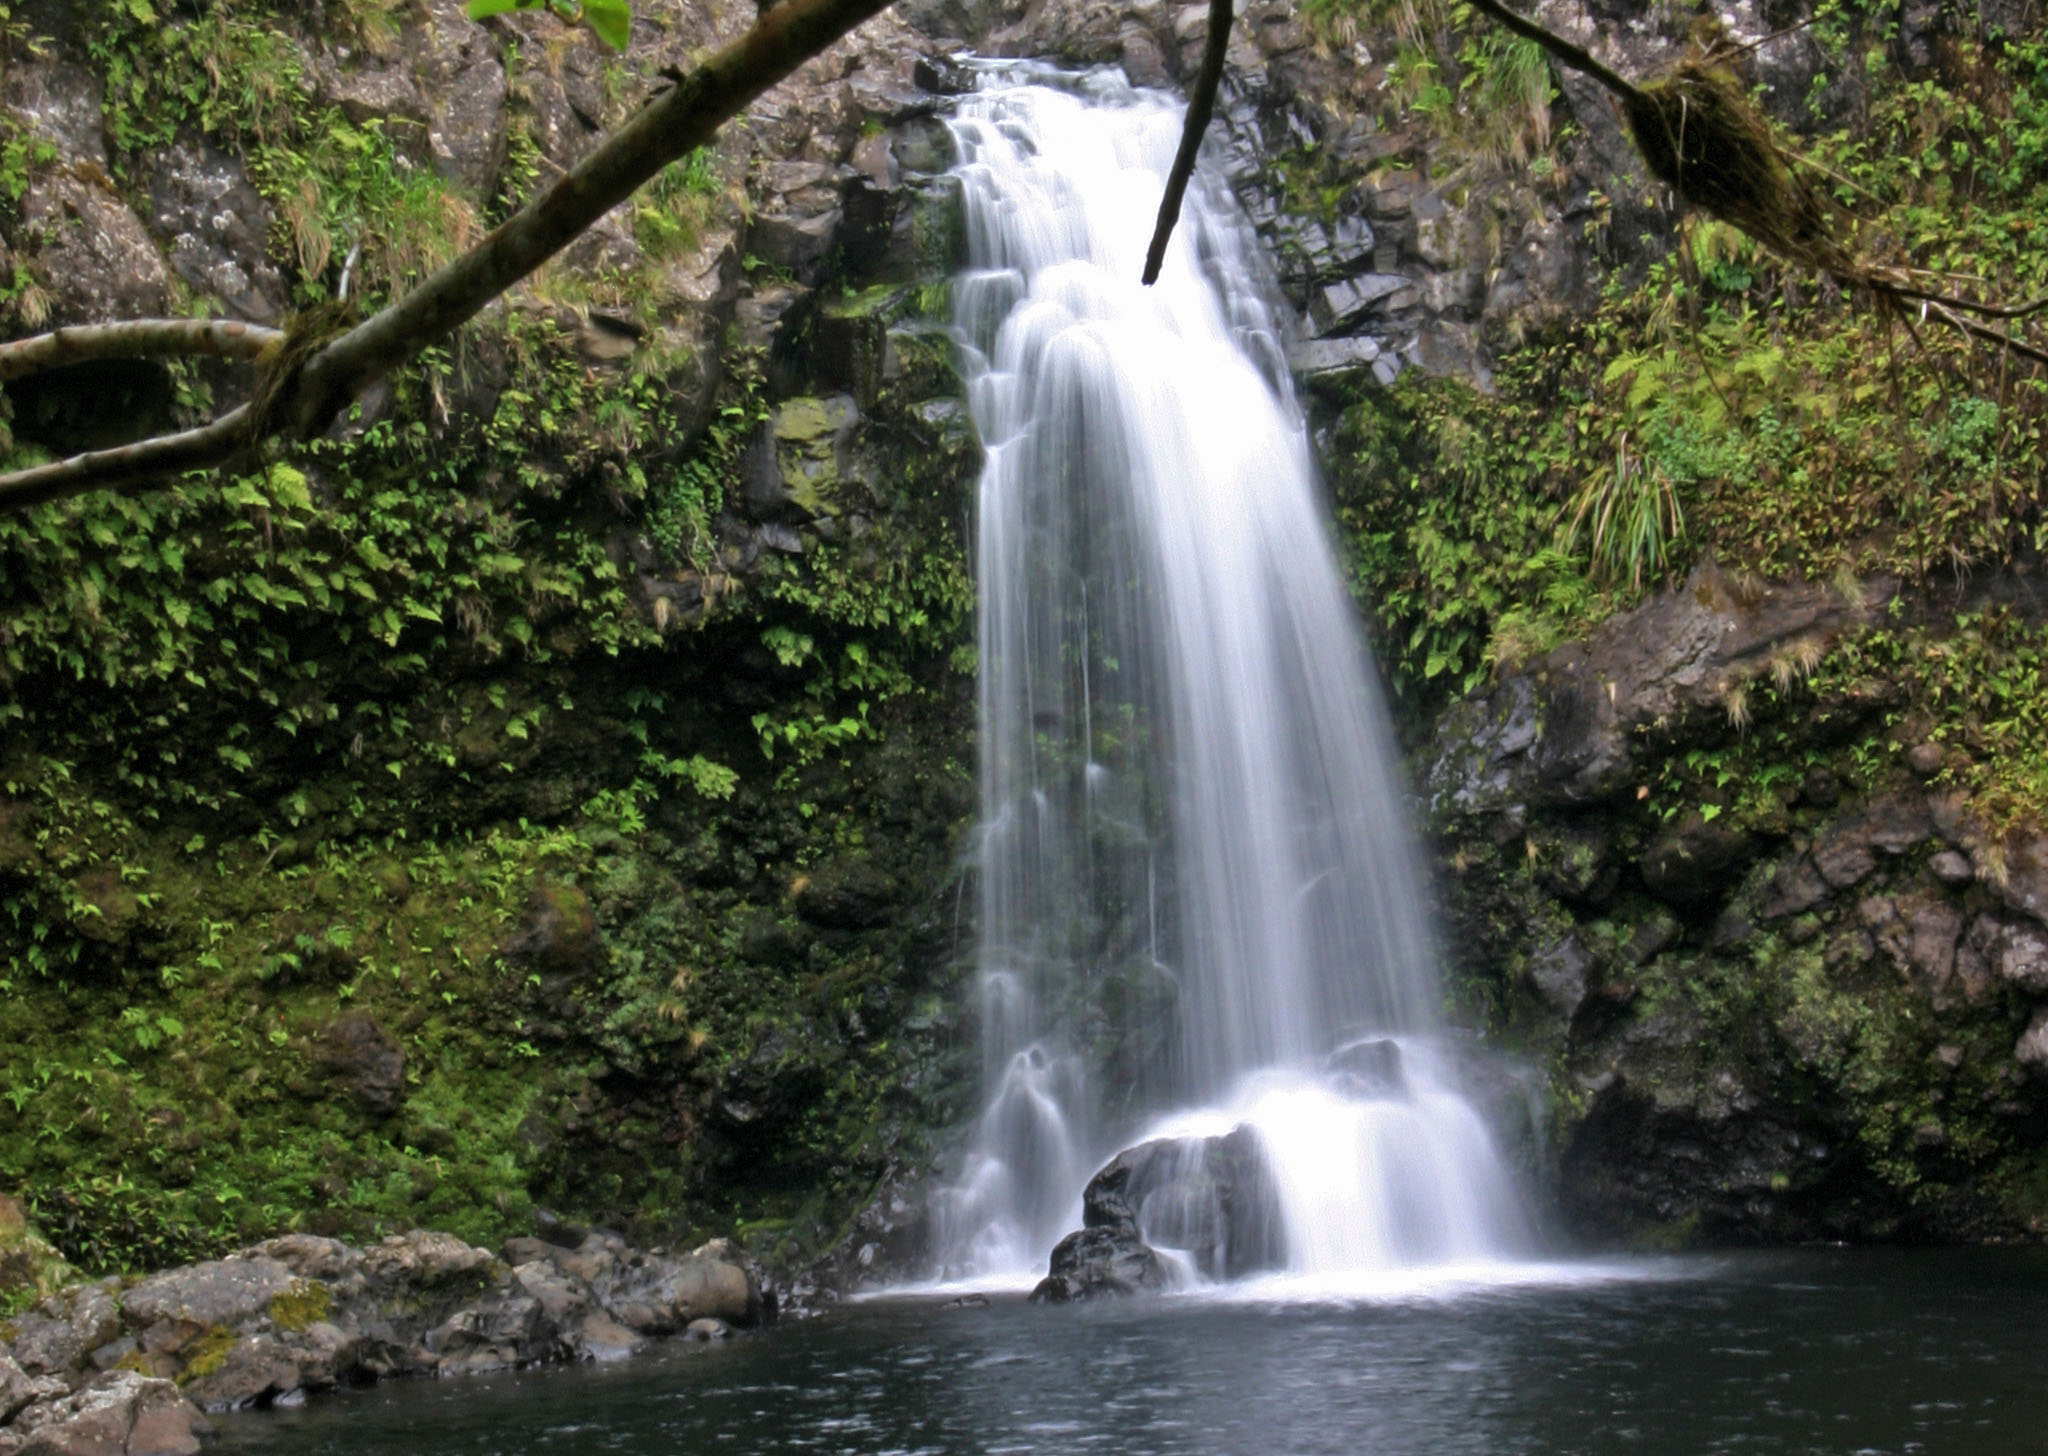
(1694,861)
(659,1294)
(708,1329)
(1211,1197)
(1344,307)
(363,1060)
(1653,935)
(1925,759)
(847,894)
(219,1292)
(218,229)
(2032,1050)
(252,1371)
(1105,1260)
(1796,886)
(799,466)
(1559,973)
(2021,958)
(118,1414)
(1935,926)
(1369,1069)
(57,1336)
(1567,729)
(94,261)
(502,1332)
(1574,864)
(559,936)
(1312,357)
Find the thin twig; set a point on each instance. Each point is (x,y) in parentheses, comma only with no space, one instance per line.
(1201,106)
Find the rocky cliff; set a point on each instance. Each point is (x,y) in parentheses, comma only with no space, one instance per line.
(549,788)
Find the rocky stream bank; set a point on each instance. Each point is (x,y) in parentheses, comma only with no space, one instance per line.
(118,1367)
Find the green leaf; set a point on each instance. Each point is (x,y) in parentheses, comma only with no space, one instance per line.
(611,21)
(479,9)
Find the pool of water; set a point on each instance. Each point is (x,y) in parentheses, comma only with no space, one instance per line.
(1807,1352)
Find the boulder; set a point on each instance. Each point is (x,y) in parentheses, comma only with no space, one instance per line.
(1558,972)
(363,1060)
(254,1370)
(1569,727)
(1368,1069)
(118,1414)
(225,1292)
(17,1389)
(1693,861)
(2032,1050)
(59,1334)
(1106,1260)
(1212,1197)
(218,229)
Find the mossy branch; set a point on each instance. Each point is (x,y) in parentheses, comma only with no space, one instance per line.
(1703,137)
(134,339)
(1201,106)
(676,123)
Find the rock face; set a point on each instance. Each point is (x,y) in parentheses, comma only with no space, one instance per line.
(1817,1012)
(1211,1198)
(98,1368)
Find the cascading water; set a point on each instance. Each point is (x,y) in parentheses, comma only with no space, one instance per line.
(1196,879)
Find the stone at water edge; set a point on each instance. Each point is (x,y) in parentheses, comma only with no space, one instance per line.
(1092,1262)
(118,1414)
(1213,1197)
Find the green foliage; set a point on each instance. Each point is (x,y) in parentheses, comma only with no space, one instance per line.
(1482,89)
(670,212)
(344,197)
(1721,406)
(611,21)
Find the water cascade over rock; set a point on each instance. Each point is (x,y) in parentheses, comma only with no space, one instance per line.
(1204,929)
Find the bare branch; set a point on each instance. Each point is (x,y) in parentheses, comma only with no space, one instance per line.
(674,124)
(1201,106)
(151,462)
(135,339)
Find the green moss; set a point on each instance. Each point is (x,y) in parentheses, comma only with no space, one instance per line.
(207,1353)
(302,1306)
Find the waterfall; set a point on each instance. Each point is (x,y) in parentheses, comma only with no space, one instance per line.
(1197,885)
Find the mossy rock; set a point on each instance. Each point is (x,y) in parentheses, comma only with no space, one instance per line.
(29,1267)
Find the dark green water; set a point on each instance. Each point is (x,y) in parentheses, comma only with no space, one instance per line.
(1837,1352)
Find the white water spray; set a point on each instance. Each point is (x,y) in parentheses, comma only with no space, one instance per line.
(1196,876)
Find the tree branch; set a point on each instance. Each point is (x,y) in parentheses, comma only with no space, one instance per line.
(676,123)
(671,126)
(134,339)
(1201,106)
(149,462)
